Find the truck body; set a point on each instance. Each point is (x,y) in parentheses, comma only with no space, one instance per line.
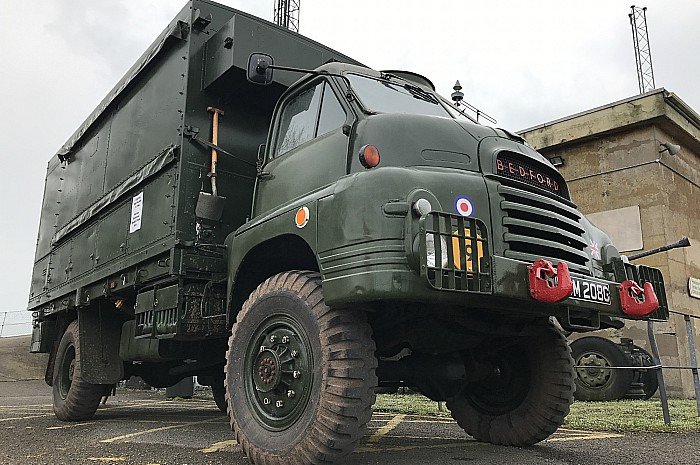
(298,244)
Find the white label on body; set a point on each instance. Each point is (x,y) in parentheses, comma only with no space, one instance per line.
(136,210)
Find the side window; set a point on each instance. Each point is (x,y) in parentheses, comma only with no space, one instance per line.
(332,114)
(298,123)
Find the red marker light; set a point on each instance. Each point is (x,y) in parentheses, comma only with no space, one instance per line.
(369,156)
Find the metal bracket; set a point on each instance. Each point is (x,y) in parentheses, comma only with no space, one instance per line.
(549,284)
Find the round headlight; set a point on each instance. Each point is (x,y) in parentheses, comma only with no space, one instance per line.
(431,252)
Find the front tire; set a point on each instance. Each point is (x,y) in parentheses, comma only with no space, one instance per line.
(527,397)
(300,376)
(73,398)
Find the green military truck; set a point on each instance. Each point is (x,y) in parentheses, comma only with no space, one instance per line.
(298,244)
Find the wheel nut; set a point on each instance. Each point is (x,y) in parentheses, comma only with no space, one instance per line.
(273,338)
(285,339)
(266,401)
(296,374)
(263,349)
(294,354)
(279,404)
(290,393)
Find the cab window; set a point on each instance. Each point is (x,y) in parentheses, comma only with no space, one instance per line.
(312,113)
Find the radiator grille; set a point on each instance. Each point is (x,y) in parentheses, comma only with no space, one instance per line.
(540,227)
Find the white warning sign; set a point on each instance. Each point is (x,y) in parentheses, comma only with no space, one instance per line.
(136,210)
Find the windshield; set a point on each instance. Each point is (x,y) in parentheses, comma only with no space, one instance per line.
(383,96)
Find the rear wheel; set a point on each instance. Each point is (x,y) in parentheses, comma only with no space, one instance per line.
(300,376)
(526,398)
(596,382)
(73,398)
(218,390)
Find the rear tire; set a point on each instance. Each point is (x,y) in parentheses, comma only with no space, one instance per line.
(526,399)
(300,376)
(598,383)
(73,398)
(218,390)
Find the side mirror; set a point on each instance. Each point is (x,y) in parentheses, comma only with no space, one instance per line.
(259,70)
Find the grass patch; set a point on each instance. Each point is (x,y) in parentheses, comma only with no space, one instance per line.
(624,416)
(634,416)
(409,404)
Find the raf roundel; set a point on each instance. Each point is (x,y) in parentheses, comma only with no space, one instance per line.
(302,217)
(464,206)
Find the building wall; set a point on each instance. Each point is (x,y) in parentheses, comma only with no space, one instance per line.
(621,167)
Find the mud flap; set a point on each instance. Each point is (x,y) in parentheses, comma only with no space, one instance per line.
(100,336)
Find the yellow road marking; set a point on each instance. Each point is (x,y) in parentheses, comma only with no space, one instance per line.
(154,430)
(585,437)
(30,406)
(217,446)
(71,426)
(390,425)
(106,459)
(24,418)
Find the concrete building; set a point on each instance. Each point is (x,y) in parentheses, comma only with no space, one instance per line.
(631,186)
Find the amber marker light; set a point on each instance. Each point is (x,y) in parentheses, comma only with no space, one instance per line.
(369,156)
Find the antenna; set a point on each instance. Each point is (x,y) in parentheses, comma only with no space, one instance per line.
(287,14)
(642,49)
(458,99)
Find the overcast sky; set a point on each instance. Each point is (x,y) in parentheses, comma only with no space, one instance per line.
(524,63)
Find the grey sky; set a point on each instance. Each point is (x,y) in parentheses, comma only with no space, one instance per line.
(524,63)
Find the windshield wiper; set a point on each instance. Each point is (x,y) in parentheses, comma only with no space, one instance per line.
(420,94)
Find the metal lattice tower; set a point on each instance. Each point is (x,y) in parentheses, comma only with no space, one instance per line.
(642,49)
(287,14)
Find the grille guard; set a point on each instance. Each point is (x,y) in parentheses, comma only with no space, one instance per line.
(468,267)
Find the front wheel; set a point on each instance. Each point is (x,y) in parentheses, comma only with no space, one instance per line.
(527,396)
(300,376)
(73,398)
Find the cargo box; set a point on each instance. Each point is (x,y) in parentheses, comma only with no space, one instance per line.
(127,204)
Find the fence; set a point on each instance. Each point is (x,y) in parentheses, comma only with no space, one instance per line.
(15,323)
(660,368)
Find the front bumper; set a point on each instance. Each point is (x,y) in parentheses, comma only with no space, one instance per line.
(466,265)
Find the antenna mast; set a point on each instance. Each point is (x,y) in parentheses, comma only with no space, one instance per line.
(287,14)
(642,49)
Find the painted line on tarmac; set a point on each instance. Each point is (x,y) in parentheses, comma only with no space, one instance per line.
(28,417)
(107,459)
(70,426)
(154,430)
(585,437)
(25,406)
(25,418)
(217,446)
(384,430)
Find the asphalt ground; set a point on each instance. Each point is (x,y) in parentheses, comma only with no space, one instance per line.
(145,428)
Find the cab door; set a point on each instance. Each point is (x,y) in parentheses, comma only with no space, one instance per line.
(308,150)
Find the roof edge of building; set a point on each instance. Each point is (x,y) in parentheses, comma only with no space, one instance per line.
(637,110)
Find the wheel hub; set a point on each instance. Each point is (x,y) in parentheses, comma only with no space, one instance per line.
(596,373)
(279,365)
(269,372)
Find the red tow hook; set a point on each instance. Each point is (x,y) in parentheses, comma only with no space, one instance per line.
(543,285)
(637,301)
